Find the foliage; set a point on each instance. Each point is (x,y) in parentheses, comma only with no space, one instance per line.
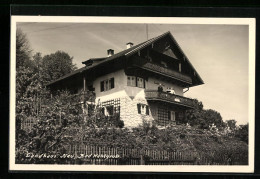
(27,91)
(192,116)
(55,65)
(23,50)
(231,124)
(202,118)
(59,114)
(242,133)
(98,119)
(213,117)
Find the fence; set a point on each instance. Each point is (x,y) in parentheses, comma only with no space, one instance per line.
(224,159)
(104,155)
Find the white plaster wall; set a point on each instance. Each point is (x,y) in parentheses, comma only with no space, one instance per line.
(118,90)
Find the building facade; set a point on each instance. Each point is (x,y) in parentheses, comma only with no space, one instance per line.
(143,82)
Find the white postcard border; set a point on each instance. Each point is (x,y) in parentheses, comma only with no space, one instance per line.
(140,168)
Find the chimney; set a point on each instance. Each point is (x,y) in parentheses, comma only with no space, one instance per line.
(129,45)
(110,52)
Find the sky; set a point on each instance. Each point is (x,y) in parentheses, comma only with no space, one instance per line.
(219,53)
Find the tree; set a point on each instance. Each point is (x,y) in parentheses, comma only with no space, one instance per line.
(59,117)
(203,118)
(23,50)
(56,65)
(212,117)
(231,124)
(242,133)
(37,60)
(27,91)
(194,116)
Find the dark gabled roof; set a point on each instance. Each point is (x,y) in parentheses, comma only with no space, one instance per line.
(126,52)
(68,75)
(131,50)
(106,59)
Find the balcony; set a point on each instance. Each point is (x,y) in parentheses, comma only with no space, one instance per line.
(154,95)
(146,65)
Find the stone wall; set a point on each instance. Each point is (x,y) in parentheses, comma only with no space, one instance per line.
(129,112)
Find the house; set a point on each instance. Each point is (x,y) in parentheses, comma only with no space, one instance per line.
(145,81)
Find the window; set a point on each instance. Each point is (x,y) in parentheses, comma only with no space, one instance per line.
(135,81)
(140,82)
(143,109)
(172,117)
(131,81)
(165,116)
(110,110)
(107,84)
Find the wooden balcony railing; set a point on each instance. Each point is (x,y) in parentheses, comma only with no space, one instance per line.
(168,97)
(145,64)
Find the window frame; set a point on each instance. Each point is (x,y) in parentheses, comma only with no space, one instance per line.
(107,84)
(140,82)
(131,81)
(134,81)
(143,109)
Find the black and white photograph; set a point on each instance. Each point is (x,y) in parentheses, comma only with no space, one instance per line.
(132,94)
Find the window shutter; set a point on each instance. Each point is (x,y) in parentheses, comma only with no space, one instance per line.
(147,110)
(139,108)
(169,115)
(128,81)
(112,83)
(102,86)
(144,83)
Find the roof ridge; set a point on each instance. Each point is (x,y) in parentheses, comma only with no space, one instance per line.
(148,42)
